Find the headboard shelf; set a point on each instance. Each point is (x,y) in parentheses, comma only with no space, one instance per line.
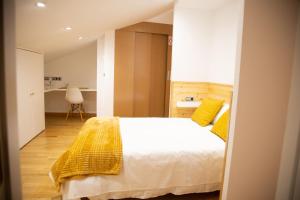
(197,90)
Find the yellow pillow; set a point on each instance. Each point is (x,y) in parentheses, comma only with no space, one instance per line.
(207,111)
(220,128)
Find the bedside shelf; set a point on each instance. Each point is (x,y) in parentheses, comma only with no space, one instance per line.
(187,104)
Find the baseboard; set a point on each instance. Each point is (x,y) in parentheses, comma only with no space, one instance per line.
(60,114)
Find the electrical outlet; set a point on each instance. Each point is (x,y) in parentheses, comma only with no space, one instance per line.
(189,98)
(56,78)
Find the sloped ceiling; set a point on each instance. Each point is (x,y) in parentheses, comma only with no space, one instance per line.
(205,5)
(43,29)
(164,18)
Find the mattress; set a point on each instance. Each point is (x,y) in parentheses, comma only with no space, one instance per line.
(160,156)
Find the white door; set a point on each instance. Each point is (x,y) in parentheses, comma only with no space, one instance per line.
(36,85)
(30,95)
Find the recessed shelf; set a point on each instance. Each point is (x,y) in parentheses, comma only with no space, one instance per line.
(187,104)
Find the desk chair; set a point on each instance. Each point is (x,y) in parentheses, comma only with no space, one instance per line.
(75,99)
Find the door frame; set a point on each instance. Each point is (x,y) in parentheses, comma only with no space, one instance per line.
(10,187)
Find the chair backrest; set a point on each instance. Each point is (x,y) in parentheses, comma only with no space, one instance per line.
(73,95)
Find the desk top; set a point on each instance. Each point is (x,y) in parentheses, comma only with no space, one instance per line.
(64,90)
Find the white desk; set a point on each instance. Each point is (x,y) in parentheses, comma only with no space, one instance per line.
(55,100)
(64,90)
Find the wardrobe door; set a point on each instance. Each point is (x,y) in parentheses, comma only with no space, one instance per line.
(142,74)
(159,49)
(25,124)
(150,75)
(30,95)
(36,94)
(124,73)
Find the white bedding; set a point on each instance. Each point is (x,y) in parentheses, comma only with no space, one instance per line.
(160,156)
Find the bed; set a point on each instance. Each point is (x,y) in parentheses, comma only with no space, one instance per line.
(160,156)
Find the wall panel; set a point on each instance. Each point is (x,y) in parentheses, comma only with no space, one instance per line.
(198,90)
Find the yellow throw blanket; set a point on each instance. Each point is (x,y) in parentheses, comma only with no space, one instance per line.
(96,150)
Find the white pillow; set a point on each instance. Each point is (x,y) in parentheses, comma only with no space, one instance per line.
(221,112)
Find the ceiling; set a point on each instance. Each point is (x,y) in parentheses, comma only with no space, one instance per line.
(206,5)
(43,29)
(164,18)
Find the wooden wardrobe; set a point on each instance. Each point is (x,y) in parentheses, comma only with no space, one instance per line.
(142,70)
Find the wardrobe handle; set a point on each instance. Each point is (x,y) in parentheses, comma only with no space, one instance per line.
(31,93)
(168,75)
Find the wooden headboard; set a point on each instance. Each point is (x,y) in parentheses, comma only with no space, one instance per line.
(198,90)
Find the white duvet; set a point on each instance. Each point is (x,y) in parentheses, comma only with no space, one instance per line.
(160,156)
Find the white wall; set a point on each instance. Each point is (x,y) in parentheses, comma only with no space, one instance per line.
(204,43)
(296,192)
(11,165)
(224,44)
(259,111)
(76,69)
(289,153)
(105,73)
(191,44)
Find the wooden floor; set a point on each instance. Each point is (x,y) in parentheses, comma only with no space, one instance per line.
(38,155)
